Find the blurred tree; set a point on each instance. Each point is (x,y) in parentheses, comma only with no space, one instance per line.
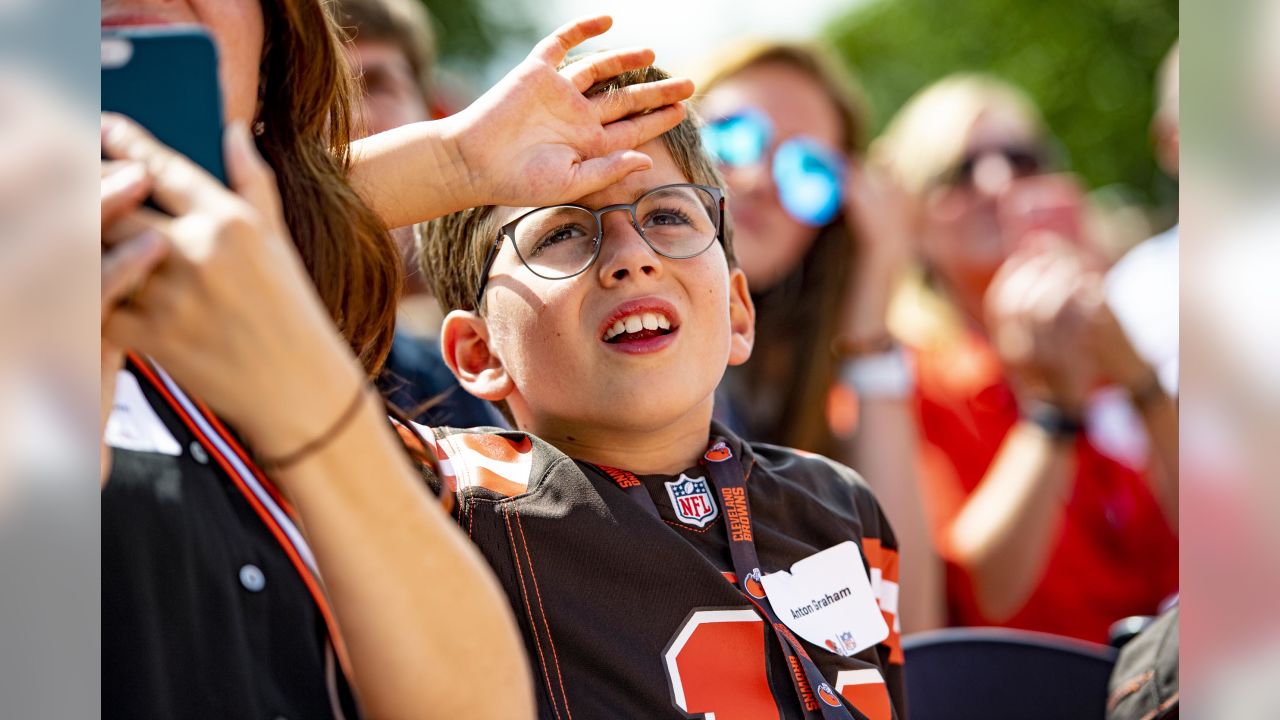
(472,32)
(1089,64)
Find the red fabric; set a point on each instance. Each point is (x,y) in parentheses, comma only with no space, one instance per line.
(1116,555)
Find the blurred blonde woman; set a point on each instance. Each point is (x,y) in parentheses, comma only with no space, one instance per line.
(1045,521)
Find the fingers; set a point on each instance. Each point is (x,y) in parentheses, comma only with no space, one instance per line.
(555,47)
(248,174)
(126,265)
(124,188)
(135,223)
(591,69)
(640,129)
(1006,307)
(176,182)
(125,328)
(637,99)
(598,173)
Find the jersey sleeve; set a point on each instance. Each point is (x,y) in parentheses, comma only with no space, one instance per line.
(880,550)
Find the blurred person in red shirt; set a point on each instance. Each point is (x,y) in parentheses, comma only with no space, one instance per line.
(1051,507)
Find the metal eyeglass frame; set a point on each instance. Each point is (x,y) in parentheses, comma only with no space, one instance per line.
(506,231)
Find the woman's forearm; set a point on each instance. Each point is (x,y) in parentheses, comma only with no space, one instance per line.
(428,630)
(411,174)
(884,450)
(1160,417)
(398,572)
(1004,533)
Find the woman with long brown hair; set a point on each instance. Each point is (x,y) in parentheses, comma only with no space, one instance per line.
(265,538)
(822,248)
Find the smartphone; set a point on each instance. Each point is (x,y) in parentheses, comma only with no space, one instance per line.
(166,79)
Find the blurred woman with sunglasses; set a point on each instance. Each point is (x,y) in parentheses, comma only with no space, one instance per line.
(1022,374)
(787,125)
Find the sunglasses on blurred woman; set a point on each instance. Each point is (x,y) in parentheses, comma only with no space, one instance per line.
(1019,161)
(808,175)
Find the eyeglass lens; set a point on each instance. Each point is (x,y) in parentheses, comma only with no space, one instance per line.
(557,242)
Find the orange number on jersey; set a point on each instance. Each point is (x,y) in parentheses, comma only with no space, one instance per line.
(717,667)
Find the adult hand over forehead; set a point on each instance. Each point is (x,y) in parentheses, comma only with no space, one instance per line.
(532,139)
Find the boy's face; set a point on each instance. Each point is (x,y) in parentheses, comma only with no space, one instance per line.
(543,345)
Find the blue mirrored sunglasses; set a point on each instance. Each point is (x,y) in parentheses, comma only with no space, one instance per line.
(809,176)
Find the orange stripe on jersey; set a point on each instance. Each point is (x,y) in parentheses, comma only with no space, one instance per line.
(235,447)
(882,565)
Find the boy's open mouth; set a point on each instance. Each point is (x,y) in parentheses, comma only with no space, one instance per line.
(638,326)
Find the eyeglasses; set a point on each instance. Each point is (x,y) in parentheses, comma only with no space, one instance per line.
(677,221)
(1023,160)
(808,175)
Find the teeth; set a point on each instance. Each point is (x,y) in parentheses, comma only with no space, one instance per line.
(636,323)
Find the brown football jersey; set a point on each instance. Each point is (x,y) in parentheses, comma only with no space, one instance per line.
(628,614)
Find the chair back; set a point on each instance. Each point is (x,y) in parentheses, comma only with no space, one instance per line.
(1004,674)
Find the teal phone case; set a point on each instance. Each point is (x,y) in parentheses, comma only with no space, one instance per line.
(166,79)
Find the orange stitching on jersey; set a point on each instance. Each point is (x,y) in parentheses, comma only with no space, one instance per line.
(537,593)
(524,591)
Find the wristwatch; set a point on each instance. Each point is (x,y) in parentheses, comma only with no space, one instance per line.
(887,375)
(1056,422)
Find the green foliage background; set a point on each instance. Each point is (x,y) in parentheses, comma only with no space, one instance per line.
(470,32)
(1089,64)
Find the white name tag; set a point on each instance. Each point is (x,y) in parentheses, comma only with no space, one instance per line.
(133,425)
(827,600)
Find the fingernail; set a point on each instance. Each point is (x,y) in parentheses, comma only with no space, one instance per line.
(132,174)
(148,242)
(112,127)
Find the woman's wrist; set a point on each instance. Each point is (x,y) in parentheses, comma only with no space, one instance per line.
(275,464)
(414,173)
(879,372)
(1058,423)
(451,135)
(1146,391)
(290,408)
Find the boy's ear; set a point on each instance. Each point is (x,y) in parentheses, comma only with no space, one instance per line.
(464,342)
(742,318)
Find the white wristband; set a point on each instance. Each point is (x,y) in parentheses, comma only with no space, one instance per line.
(888,375)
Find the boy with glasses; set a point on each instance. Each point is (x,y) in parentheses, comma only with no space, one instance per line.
(660,566)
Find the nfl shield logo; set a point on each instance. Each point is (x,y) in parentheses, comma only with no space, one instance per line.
(692,500)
